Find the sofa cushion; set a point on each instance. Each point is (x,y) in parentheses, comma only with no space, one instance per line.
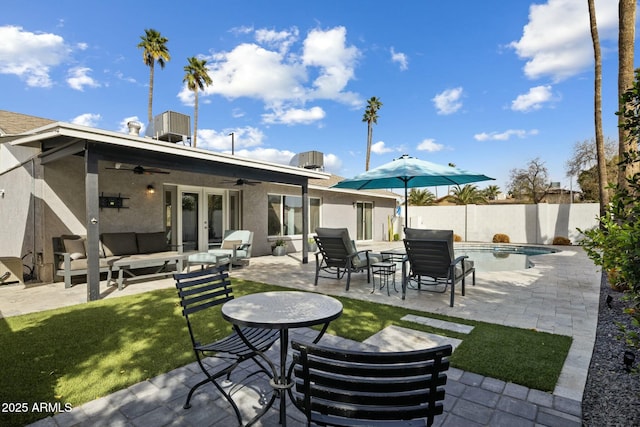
(75,248)
(119,244)
(152,242)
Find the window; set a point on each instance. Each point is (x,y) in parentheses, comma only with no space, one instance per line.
(285,215)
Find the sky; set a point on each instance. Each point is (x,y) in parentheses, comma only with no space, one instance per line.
(488,86)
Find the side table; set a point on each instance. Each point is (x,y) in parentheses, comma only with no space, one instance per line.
(386,272)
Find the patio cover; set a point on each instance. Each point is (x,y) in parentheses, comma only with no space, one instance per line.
(58,140)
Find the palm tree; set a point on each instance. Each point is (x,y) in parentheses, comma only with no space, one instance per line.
(421,197)
(602,161)
(467,195)
(371,117)
(196,77)
(626,36)
(154,49)
(491,192)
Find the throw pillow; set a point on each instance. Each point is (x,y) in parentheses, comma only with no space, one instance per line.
(230,244)
(75,247)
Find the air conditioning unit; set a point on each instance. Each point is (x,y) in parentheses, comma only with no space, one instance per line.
(311,160)
(172,127)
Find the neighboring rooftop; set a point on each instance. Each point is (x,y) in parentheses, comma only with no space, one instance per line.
(15,123)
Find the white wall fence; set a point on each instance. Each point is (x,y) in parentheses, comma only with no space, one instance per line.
(529,223)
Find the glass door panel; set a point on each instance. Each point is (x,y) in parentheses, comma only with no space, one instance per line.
(215,219)
(190,221)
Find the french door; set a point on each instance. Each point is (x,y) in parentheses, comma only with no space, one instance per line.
(203,217)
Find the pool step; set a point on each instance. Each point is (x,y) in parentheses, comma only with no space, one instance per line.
(440,324)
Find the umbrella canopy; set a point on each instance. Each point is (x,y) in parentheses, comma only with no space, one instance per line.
(409,172)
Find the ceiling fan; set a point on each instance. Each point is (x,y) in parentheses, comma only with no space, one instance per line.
(240,181)
(139,170)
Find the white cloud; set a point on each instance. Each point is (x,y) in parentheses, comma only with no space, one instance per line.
(221,141)
(283,78)
(294,116)
(380,148)
(267,154)
(532,100)
(448,101)
(332,163)
(400,58)
(430,145)
(87,119)
(79,78)
(504,136)
(556,42)
(30,56)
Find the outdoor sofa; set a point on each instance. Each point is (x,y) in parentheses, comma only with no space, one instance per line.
(120,254)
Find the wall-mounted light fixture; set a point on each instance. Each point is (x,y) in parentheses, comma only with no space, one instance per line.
(150,189)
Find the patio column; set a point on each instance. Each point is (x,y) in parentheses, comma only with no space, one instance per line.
(305,222)
(92,220)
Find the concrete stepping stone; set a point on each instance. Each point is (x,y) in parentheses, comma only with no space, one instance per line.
(396,338)
(440,324)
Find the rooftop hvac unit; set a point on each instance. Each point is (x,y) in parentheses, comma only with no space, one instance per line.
(172,127)
(555,184)
(311,160)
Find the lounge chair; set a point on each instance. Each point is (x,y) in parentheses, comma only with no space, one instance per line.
(236,244)
(337,254)
(338,387)
(432,262)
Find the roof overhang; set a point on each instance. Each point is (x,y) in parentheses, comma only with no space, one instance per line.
(60,139)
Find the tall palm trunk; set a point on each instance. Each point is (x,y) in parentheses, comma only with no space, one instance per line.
(369,138)
(149,106)
(626,36)
(597,100)
(195,119)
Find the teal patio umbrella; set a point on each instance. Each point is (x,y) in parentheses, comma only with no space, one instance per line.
(409,172)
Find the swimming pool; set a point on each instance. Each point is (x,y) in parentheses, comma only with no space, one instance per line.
(495,257)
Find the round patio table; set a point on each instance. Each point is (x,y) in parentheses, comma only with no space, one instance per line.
(283,311)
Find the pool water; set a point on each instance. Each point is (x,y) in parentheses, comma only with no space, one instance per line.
(501,257)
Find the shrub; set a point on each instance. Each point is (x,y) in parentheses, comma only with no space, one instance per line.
(562,241)
(500,238)
(457,238)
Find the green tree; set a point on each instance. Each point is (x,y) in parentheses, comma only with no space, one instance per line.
(467,195)
(419,197)
(154,49)
(371,118)
(196,77)
(531,183)
(491,192)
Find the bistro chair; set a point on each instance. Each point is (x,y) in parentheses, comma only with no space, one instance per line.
(337,255)
(337,387)
(432,262)
(200,292)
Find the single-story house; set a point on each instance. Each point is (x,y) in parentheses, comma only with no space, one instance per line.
(58,178)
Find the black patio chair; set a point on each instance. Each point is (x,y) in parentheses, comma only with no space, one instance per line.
(337,387)
(205,290)
(337,255)
(432,262)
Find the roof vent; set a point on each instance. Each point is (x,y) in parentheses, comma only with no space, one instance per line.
(172,127)
(134,128)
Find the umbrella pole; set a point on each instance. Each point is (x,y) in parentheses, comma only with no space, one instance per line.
(406,211)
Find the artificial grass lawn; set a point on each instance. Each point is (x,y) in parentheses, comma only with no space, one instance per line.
(76,354)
